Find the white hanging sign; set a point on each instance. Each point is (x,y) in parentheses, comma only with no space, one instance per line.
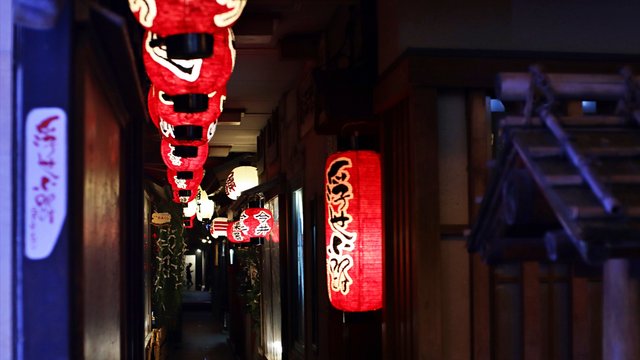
(45,180)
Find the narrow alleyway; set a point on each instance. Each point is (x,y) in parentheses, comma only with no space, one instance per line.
(202,335)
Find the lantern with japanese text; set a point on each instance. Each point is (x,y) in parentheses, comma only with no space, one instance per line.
(183,196)
(353,200)
(219,227)
(235,235)
(188,128)
(184,184)
(240,179)
(256,222)
(190,81)
(185,180)
(185,26)
(183,158)
(206,206)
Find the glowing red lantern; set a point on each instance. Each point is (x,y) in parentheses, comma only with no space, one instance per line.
(185,180)
(353,201)
(153,101)
(256,222)
(190,81)
(189,128)
(188,222)
(181,196)
(183,158)
(185,25)
(235,235)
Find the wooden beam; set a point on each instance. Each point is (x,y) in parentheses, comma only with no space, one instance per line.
(621,312)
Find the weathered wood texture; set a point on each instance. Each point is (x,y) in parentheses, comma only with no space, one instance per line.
(621,312)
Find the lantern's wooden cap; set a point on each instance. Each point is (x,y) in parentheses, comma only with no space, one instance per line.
(185,175)
(190,103)
(189,46)
(186,151)
(187,132)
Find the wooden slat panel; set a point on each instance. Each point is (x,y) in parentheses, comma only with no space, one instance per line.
(532,331)
(580,319)
(398,300)
(425,237)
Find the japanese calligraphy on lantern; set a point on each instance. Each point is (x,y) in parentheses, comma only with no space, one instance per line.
(45,180)
(339,193)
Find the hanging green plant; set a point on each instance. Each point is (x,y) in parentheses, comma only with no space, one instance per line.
(168,266)
(248,259)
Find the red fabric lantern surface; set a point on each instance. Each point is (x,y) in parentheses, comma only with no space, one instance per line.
(169,17)
(178,163)
(235,235)
(183,199)
(353,200)
(208,120)
(153,101)
(185,184)
(188,222)
(190,76)
(256,222)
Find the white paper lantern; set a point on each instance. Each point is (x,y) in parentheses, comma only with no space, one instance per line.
(190,209)
(240,179)
(204,207)
(205,210)
(219,227)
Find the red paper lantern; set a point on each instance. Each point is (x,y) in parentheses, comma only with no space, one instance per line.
(180,77)
(185,180)
(183,158)
(235,235)
(188,222)
(183,196)
(353,201)
(185,25)
(153,101)
(256,222)
(173,125)
(186,16)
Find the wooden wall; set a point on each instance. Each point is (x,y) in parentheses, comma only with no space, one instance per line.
(102,236)
(107,208)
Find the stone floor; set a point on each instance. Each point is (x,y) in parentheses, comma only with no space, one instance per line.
(203,337)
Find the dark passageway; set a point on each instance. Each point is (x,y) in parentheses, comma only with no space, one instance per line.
(203,336)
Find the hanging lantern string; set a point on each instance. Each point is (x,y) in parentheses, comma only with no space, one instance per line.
(354,126)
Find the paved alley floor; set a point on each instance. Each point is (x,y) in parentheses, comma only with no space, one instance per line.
(202,335)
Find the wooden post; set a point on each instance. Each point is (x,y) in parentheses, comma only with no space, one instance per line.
(479,134)
(620,310)
(532,331)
